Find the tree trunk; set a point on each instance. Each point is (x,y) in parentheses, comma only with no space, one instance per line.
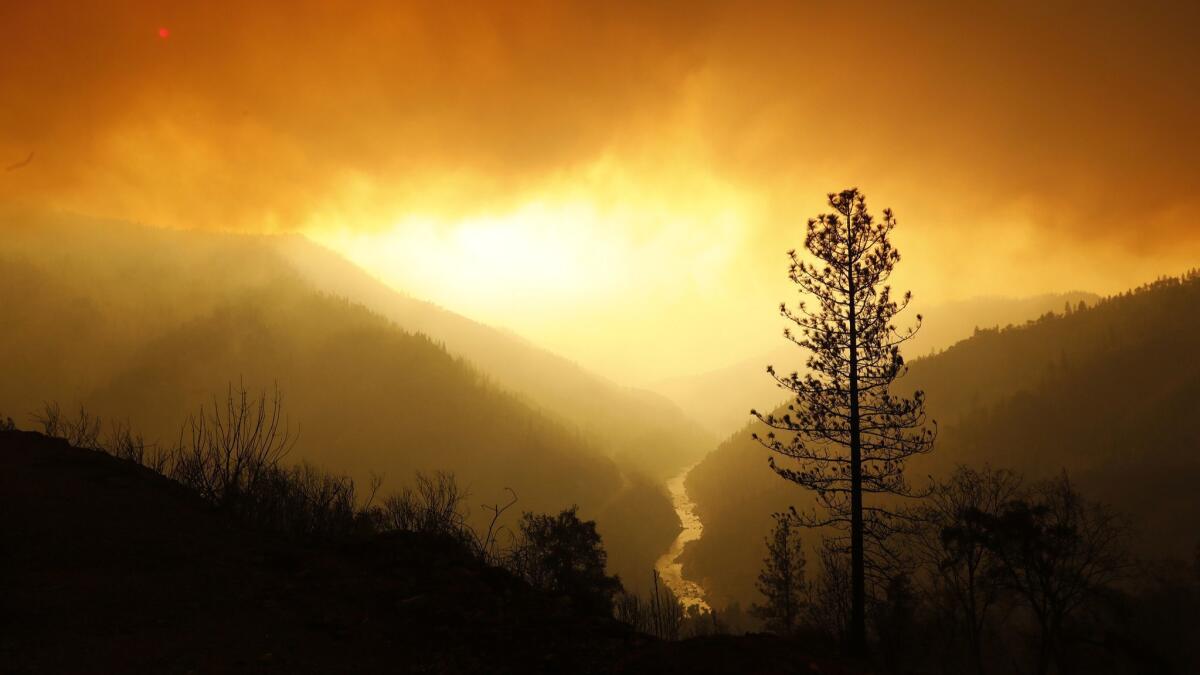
(976,621)
(1046,649)
(858,599)
(976,650)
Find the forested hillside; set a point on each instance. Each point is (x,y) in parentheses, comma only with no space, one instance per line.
(639,427)
(722,398)
(1109,392)
(145,326)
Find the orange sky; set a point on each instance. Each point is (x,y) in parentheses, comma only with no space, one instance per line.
(622,178)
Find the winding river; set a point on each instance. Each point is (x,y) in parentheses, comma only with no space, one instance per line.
(669,568)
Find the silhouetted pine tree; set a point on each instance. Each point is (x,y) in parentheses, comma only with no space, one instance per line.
(849,435)
(782,578)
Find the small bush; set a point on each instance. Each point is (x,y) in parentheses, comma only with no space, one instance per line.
(303,502)
(230,456)
(81,432)
(123,443)
(434,506)
(84,432)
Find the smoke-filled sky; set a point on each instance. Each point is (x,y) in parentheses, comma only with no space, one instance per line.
(619,181)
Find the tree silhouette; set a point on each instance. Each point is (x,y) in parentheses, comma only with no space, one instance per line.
(845,430)
(564,554)
(782,578)
(954,545)
(227,451)
(1058,551)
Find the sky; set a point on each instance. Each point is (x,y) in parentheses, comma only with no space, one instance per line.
(619,181)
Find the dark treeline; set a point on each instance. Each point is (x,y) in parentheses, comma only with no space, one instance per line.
(1104,391)
(1057,562)
(995,574)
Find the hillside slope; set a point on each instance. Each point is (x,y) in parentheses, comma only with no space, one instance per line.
(145,326)
(722,398)
(1110,393)
(108,567)
(640,428)
(152,279)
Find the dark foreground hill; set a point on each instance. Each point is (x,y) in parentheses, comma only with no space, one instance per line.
(106,566)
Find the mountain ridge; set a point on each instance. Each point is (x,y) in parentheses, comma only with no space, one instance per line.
(725,396)
(161,321)
(619,414)
(1046,395)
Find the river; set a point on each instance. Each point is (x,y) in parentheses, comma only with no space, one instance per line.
(669,568)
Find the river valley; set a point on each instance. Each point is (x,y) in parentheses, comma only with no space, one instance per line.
(690,593)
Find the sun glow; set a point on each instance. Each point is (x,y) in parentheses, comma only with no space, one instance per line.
(537,253)
(598,254)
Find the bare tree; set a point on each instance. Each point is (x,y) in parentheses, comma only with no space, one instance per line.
(435,506)
(123,442)
(81,432)
(1058,551)
(953,544)
(438,506)
(847,433)
(224,452)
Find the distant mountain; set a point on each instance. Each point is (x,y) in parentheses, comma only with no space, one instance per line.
(641,428)
(147,325)
(1111,393)
(722,398)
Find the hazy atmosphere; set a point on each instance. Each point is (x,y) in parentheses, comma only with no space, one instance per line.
(501,161)
(599,311)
